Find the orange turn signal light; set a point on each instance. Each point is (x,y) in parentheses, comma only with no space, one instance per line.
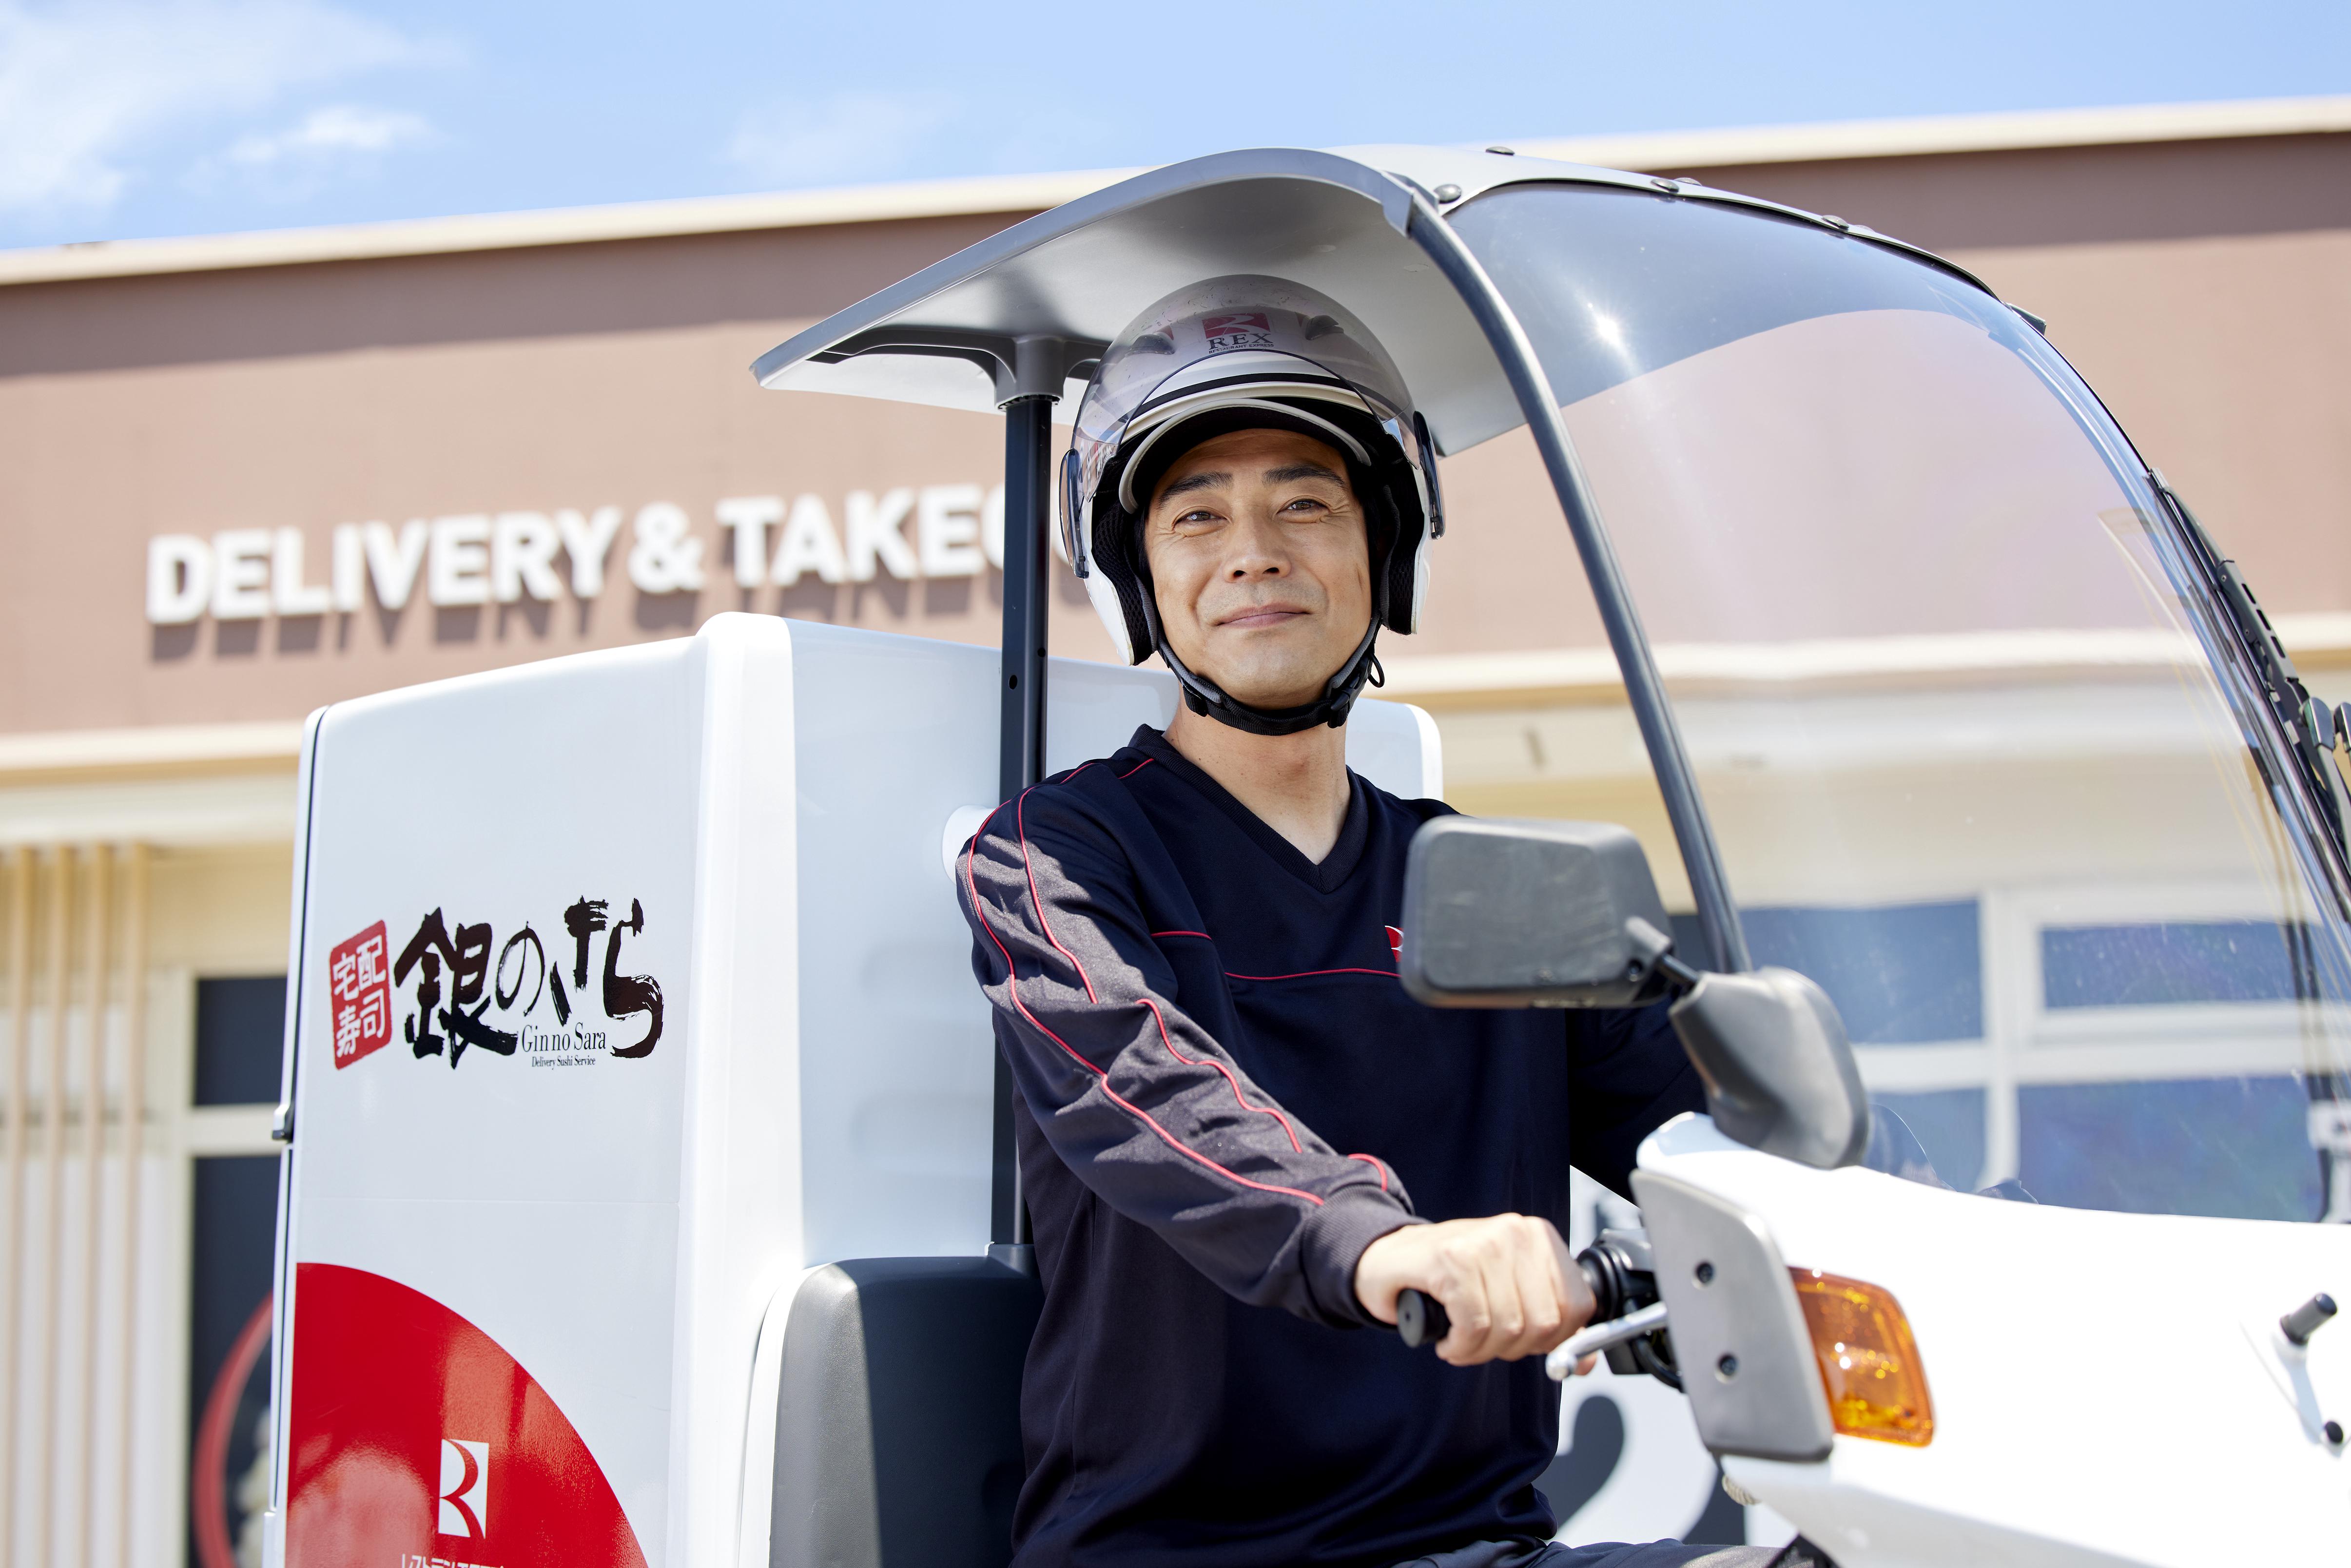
(1869,1363)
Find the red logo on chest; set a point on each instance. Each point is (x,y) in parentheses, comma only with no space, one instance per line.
(1396,943)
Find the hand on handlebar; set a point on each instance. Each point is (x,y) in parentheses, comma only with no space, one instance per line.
(1506,1282)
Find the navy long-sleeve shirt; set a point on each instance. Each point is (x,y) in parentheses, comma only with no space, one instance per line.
(1224,1096)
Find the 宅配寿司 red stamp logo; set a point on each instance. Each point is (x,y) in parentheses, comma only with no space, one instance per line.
(358,992)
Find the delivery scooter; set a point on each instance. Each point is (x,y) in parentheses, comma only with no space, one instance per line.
(648,1196)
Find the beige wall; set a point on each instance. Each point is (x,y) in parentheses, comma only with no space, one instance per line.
(96,463)
(2201,286)
(2229,362)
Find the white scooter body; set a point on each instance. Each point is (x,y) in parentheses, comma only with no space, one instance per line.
(2107,1388)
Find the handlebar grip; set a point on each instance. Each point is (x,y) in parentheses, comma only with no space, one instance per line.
(1597,1279)
(1420,1319)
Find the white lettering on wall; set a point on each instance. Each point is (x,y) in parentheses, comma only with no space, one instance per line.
(946,530)
(351,568)
(241,574)
(288,594)
(457,567)
(394,559)
(469,559)
(748,517)
(179,579)
(522,556)
(810,544)
(665,559)
(588,540)
(874,535)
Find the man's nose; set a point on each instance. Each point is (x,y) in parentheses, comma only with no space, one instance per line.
(1256,552)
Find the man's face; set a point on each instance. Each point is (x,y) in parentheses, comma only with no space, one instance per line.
(1261,564)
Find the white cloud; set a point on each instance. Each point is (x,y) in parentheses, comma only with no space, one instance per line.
(338,130)
(84,85)
(325,144)
(843,136)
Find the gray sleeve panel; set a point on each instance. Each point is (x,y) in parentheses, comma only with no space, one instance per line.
(1739,1339)
(897,1419)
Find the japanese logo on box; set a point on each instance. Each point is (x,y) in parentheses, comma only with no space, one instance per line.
(358,988)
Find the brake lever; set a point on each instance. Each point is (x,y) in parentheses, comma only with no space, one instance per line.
(1561,1363)
(1421,1319)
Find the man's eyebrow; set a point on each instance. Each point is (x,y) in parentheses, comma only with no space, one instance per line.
(1190,482)
(1283,475)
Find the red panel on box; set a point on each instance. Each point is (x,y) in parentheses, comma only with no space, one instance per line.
(415,1441)
(359,988)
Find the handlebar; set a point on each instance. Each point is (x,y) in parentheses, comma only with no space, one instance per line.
(1625,1310)
(1420,1319)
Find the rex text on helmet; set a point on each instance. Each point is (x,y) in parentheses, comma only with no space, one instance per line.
(1194,371)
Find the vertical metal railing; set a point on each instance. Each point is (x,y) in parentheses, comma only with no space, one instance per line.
(60,955)
(98,973)
(134,1141)
(75,956)
(20,1087)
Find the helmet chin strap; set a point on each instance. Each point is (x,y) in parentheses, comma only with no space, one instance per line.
(1204,696)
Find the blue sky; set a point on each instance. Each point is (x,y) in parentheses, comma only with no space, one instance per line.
(129,118)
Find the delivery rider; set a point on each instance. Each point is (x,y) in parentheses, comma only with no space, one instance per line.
(1238,1136)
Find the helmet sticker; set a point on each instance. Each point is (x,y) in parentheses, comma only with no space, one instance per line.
(1238,329)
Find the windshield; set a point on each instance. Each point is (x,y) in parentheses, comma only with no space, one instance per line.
(1954,702)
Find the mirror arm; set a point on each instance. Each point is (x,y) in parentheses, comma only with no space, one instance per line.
(1653,950)
(1680,976)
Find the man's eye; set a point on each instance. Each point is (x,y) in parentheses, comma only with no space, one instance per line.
(1194,519)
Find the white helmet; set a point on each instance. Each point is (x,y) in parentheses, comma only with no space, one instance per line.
(1239,353)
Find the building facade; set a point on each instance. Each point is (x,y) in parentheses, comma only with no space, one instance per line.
(246,476)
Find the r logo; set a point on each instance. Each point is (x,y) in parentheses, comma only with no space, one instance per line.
(465,1489)
(1396,943)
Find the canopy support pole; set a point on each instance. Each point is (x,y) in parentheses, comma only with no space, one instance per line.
(1028,589)
(1644,687)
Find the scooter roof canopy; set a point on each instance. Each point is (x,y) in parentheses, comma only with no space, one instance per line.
(1067,280)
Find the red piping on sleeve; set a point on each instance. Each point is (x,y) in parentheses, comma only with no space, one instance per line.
(1012,986)
(1201,935)
(1138,768)
(1020,821)
(1304,974)
(1375,1166)
(1235,1082)
(1019,818)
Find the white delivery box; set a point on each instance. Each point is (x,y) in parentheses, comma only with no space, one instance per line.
(626,987)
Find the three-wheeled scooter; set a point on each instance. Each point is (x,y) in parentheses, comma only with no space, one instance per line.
(648,1194)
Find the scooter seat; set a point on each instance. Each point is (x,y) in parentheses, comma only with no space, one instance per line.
(898,1415)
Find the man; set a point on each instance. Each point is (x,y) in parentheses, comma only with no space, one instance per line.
(1226,1103)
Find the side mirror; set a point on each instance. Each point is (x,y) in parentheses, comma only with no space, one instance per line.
(1500,914)
(1779,1074)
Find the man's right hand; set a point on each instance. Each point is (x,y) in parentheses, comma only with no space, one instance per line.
(1507,1282)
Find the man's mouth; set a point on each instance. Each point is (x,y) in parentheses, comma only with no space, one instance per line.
(1262,615)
